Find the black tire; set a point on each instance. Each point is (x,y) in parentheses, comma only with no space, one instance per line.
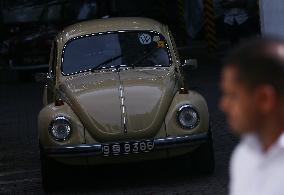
(203,159)
(49,172)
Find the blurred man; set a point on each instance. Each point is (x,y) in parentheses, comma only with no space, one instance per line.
(253,101)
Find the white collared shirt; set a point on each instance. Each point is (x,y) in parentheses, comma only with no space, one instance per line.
(235,14)
(254,172)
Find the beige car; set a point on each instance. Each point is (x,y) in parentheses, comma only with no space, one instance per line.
(115,94)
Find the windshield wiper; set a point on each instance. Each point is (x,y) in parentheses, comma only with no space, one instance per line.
(144,57)
(100,66)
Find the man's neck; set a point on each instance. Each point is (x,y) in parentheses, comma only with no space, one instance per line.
(269,134)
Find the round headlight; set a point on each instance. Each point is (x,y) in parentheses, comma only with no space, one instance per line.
(60,128)
(187,117)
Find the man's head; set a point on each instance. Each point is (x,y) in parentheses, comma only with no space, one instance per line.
(253,85)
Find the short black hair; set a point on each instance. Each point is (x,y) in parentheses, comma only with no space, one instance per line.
(260,61)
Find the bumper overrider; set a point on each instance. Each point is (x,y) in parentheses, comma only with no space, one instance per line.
(96,149)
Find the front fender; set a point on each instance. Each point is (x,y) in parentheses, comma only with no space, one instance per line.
(47,114)
(198,102)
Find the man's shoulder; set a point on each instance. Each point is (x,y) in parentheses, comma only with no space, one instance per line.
(242,148)
(245,151)
(238,152)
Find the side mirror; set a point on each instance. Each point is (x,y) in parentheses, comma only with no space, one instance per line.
(190,64)
(42,77)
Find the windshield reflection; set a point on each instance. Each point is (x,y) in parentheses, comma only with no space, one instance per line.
(111,50)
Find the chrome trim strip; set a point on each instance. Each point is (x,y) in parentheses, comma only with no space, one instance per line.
(122,105)
(96,149)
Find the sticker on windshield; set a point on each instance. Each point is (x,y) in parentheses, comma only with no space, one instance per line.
(145,39)
(161,44)
(156,38)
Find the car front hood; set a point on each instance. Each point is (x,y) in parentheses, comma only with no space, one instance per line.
(130,104)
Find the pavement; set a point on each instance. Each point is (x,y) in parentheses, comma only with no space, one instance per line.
(20,173)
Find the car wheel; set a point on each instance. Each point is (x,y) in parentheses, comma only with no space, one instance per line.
(203,159)
(49,171)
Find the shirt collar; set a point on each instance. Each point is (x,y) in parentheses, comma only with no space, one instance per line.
(280,141)
(253,142)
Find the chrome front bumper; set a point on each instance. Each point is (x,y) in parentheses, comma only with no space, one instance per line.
(96,149)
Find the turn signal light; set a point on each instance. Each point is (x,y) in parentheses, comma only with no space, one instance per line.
(59,102)
(183,90)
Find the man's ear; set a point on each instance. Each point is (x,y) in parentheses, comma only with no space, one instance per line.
(266,98)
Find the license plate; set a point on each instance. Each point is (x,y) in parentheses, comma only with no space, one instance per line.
(127,148)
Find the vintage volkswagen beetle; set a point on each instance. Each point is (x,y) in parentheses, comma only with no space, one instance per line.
(115,94)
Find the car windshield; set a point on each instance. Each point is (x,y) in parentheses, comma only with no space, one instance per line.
(101,51)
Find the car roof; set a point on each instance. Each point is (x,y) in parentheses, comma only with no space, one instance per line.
(109,24)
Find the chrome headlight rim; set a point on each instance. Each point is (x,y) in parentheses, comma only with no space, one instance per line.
(186,106)
(57,118)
